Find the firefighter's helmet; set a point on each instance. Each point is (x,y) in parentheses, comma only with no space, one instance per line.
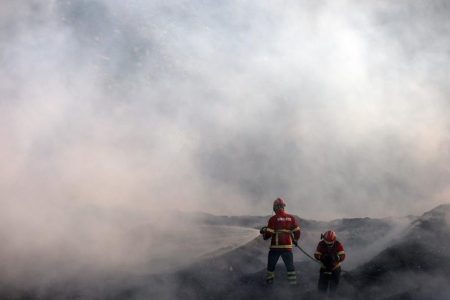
(329,237)
(278,204)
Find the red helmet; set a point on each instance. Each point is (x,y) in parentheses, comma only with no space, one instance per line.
(278,204)
(329,237)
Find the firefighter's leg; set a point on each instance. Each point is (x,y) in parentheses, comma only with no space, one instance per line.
(334,280)
(323,281)
(271,263)
(288,259)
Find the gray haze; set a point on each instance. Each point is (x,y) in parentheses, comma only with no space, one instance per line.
(112,107)
(341,107)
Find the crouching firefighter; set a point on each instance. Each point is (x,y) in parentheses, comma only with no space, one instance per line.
(330,252)
(284,231)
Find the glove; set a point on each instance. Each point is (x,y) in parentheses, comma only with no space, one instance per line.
(337,258)
(295,242)
(263,230)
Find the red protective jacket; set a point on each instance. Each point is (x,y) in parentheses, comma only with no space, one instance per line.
(330,256)
(281,228)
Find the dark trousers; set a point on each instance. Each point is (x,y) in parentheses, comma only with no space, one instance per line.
(288,259)
(329,280)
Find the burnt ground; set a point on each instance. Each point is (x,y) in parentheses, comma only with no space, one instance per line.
(414,265)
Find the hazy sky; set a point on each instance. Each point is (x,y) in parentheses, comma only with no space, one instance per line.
(341,107)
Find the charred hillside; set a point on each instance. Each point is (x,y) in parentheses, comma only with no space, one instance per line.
(395,259)
(412,265)
(417,266)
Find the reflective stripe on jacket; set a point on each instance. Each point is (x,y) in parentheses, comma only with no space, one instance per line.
(282,227)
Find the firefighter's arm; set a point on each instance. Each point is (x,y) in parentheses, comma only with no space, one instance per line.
(296,231)
(318,253)
(341,253)
(270,230)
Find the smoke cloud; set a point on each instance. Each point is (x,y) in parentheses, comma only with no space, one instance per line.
(113,103)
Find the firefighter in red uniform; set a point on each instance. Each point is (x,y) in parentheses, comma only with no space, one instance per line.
(284,231)
(330,252)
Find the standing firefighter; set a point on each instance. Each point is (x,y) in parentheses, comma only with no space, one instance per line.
(283,229)
(330,252)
